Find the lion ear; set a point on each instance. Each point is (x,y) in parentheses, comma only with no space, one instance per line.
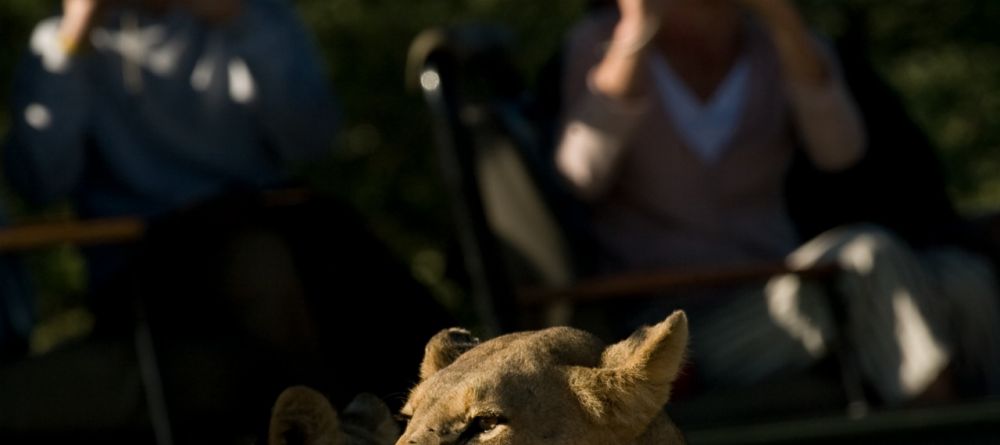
(444,348)
(634,380)
(303,416)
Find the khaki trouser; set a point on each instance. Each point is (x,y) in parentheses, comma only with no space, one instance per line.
(908,317)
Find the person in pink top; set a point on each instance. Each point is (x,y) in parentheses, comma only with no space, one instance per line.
(681,120)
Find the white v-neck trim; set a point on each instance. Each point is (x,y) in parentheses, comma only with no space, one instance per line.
(706,127)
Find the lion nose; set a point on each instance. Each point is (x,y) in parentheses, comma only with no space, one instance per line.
(428,437)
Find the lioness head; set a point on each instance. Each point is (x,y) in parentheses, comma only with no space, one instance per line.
(555,386)
(303,416)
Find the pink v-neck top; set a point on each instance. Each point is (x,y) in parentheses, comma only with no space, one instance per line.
(657,201)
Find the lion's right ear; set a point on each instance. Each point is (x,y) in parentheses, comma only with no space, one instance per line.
(634,380)
(444,348)
(302,416)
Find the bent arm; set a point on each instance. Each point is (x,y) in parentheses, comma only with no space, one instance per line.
(826,115)
(293,100)
(603,104)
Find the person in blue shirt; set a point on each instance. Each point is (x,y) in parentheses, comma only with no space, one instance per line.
(141,107)
(171,110)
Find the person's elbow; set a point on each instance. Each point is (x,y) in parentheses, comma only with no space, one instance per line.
(582,180)
(840,149)
(583,162)
(847,157)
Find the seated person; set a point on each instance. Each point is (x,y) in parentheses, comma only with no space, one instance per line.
(140,108)
(151,107)
(682,118)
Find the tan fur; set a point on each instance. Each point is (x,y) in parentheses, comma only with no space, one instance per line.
(444,348)
(558,386)
(303,416)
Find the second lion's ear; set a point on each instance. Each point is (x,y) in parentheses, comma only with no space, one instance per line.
(444,348)
(303,416)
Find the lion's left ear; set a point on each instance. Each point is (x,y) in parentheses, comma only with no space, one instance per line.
(303,416)
(444,348)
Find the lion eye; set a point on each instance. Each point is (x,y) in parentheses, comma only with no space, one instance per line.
(479,425)
(402,419)
(487,423)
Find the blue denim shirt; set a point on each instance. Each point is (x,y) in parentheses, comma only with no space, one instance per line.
(165,111)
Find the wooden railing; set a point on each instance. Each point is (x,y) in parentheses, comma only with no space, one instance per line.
(649,283)
(19,238)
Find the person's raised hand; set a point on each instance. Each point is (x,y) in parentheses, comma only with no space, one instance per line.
(640,20)
(79,16)
(639,13)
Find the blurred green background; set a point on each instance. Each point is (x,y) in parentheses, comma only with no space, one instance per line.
(942,56)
